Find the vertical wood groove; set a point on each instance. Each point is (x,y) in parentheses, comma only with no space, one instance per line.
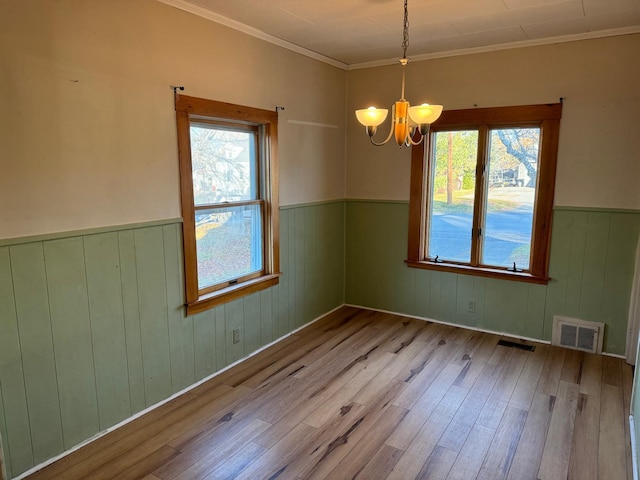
(334,401)
(142,348)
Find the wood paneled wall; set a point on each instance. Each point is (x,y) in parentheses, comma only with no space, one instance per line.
(591,268)
(92,328)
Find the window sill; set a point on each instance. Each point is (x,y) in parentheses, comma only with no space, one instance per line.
(224,295)
(479,271)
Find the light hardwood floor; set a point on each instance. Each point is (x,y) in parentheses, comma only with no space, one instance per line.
(368,395)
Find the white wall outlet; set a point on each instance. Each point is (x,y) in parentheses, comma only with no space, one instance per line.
(236,335)
(471,306)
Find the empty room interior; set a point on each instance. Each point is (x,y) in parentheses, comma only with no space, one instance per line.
(216,261)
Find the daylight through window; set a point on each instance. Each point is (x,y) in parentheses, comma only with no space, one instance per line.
(482,192)
(229,203)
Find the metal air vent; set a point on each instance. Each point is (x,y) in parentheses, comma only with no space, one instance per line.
(577,334)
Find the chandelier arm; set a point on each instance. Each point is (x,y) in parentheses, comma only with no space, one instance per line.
(393,124)
(386,139)
(412,142)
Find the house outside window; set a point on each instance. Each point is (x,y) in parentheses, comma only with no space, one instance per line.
(228,176)
(482,192)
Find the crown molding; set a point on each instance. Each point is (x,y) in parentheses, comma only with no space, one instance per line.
(254,32)
(187,6)
(504,46)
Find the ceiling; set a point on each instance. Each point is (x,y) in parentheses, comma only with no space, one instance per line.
(358,33)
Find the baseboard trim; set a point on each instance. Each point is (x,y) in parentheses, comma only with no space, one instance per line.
(467,327)
(634,447)
(48,462)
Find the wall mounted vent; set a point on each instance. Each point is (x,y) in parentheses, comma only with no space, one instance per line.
(577,334)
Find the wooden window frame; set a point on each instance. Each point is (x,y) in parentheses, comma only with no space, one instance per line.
(547,118)
(198,300)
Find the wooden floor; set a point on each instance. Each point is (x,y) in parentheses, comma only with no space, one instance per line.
(368,395)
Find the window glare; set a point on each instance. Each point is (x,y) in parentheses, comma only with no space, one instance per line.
(452,195)
(229,243)
(223,164)
(510,197)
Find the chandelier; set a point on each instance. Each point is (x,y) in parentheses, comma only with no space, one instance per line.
(402,112)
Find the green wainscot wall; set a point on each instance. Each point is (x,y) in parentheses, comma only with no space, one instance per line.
(591,267)
(92,324)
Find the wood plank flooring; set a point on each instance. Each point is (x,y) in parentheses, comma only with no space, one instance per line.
(367,395)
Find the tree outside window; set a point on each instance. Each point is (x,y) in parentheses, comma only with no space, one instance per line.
(483,201)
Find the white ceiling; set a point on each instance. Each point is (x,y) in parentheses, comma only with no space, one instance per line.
(356,33)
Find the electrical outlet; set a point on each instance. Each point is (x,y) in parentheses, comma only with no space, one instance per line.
(471,307)
(236,335)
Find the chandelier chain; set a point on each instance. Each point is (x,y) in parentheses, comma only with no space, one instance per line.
(405,38)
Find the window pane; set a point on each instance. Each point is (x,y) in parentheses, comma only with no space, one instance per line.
(229,243)
(513,168)
(452,192)
(223,164)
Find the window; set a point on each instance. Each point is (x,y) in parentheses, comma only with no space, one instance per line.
(228,181)
(482,187)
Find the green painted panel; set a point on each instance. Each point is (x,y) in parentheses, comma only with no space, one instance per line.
(448,296)
(323,261)
(267,334)
(284,288)
(296,281)
(310,263)
(152,298)
(180,326)
(279,308)
(536,302)
(221,337)
(368,243)
(118,297)
(85,231)
(434,295)
(591,266)
(514,307)
(423,293)
(470,290)
(71,328)
(36,342)
(234,318)
(595,264)
(618,279)
(355,262)
(384,255)
(336,234)
(493,299)
(291,271)
(576,263)
(4,446)
(15,419)
(131,314)
(252,327)
(299,266)
(558,269)
(479,293)
(404,289)
(104,286)
(403,277)
(204,338)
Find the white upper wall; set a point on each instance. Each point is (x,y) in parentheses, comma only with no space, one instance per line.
(599,150)
(88,126)
(88,129)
